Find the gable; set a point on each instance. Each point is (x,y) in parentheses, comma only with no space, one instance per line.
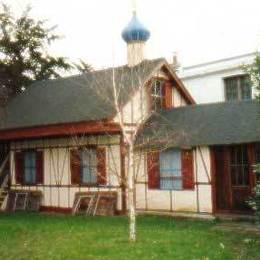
(138,106)
(181,91)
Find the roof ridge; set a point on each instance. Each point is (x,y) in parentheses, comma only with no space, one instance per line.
(96,71)
(219,60)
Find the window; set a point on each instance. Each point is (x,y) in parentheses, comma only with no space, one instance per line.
(157,95)
(238,88)
(88,166)
(257,153)
(239,166)
(257,158)
(29,167)
(170,169)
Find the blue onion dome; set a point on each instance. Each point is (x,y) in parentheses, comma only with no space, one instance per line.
(135,31)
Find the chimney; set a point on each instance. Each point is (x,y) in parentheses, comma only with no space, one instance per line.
(175,63)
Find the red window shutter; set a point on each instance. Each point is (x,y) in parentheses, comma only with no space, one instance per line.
(101,166)
(187,169)
(39,167)
(153,169)
(75,166)
(168,95)
(19,167)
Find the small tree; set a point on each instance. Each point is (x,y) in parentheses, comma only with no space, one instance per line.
(126,90)
(24,55)
(254,72)
(23,48)
(254,202)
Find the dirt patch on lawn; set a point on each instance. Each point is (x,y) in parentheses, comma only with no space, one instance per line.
(245,228)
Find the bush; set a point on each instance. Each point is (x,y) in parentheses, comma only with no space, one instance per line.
(254,201)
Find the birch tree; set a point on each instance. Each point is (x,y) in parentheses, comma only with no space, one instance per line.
(126,90)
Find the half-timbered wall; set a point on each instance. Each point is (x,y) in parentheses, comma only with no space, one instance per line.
(57,188)
(198,199)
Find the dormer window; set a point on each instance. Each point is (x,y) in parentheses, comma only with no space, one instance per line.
(157,95)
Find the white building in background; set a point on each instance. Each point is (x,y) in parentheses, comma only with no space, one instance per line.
(219,80)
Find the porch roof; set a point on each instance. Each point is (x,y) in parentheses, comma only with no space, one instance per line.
(208,124)
(81,98)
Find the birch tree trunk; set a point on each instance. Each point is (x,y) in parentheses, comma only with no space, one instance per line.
(131,203)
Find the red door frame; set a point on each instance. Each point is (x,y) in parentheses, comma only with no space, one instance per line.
(252,179)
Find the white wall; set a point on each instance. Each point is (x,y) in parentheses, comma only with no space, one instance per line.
(197,200)
(57,167)
(205,82)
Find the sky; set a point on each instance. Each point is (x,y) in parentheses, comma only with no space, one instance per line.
(198,31)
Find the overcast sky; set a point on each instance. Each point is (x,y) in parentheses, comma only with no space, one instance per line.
(199,31)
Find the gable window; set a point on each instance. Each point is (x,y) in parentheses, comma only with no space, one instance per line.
(88,166)
(238,88)
(157,95)
(171,169)
(29,167)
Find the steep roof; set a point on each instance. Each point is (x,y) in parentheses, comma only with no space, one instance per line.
(210,124)
(78,98)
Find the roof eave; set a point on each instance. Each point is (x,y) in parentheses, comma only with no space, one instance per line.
(64,129)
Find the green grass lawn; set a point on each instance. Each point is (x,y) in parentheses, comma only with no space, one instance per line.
(39,236)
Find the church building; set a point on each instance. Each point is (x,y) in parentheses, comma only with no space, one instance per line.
(64,150)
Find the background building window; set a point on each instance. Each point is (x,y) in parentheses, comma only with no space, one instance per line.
(157,95)
(238,88)
(88,166)
(170,169)
(30,167)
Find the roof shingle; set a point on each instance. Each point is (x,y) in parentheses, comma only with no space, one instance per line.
(210,124)
(78,98)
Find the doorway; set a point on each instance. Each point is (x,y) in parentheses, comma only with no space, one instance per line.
(234,177)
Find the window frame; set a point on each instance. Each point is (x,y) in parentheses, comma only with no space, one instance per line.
(91,167)
(241,169)
(173,177)
(26,152)
(154,96)
(238,79)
